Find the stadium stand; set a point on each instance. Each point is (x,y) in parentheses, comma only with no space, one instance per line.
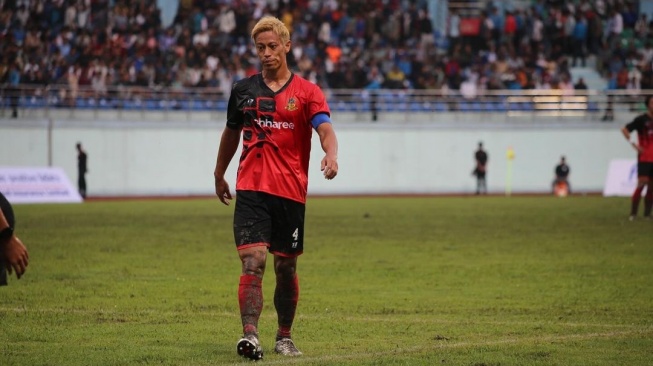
(490,56)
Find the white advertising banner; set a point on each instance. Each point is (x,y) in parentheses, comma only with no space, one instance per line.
(37,185)
(622,178)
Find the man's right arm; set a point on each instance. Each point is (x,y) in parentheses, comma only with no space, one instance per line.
(626,132)
(228,146)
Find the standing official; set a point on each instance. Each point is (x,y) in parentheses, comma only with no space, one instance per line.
(480,169)
(82,168)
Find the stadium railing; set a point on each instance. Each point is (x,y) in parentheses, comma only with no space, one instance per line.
(577,103)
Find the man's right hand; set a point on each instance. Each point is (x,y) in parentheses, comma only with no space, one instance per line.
(222,191)
(15,255)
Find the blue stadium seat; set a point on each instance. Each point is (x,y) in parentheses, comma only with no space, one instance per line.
(427,106)
(208,105)
(134,104)
(107,103)
(31,102)
(528,106)
(151,104)
(221,105)
(593,106)
(186,105)
(498,106)
(81,103)
(340,106)
(197,105)
(88,103)
(163,104)
(37,102)
(415,107)
(384,107)
(352,106)
(386,97)
(522,106)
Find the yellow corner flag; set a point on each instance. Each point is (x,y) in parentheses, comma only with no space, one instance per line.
(510,156)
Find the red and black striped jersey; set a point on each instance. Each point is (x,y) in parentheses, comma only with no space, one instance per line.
(643,124)
(276,130)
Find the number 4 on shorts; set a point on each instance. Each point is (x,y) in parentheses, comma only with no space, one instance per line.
(295,236)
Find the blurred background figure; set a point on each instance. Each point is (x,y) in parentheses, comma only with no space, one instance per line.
(480,169)
(560,186)
(81,169)
(642,125)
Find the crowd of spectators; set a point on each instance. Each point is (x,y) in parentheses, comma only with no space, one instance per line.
(102,45)
(536,47)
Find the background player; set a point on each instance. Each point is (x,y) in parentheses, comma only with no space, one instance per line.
(643,124)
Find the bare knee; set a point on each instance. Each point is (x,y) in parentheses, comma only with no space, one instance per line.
(285,267)
(253,260)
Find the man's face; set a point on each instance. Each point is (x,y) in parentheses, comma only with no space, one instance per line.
(271,51)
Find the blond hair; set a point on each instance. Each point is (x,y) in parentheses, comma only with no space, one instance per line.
(273,24)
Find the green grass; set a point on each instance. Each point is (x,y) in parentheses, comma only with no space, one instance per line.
(384,281)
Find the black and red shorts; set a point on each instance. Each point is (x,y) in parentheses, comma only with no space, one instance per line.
(264,219)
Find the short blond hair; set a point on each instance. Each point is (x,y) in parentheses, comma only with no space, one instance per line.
(270,23)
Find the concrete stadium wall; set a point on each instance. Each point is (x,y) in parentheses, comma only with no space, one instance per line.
(398,155)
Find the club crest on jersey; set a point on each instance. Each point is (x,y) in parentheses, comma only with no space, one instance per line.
(291,106)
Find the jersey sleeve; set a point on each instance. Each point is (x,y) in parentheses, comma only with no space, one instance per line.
(234,114)
(635,124)
(318,103)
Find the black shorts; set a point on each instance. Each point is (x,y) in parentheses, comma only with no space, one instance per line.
(264,219)
(645,169)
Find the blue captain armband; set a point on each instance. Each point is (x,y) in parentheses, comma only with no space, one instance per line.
(320,118)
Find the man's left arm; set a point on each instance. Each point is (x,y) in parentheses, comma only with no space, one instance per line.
(329,142)
(13,253)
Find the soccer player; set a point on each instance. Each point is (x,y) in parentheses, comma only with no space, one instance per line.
(13,254)
(643,124)
(480,169)
(275,111)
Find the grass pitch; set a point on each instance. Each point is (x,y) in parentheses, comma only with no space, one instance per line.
(384,281)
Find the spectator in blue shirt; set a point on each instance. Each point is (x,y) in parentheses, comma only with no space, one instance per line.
(13,79)
(579,40)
